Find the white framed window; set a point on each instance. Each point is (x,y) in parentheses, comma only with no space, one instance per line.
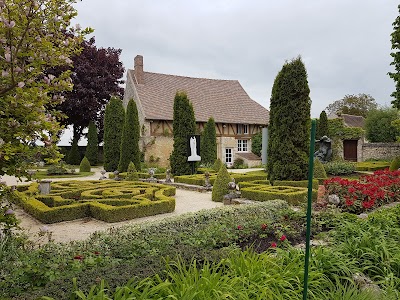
(242,128)
(228,156)
(242,145)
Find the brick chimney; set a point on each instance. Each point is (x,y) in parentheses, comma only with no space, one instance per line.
(139,74)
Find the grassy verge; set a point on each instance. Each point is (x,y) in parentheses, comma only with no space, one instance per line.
(43,175)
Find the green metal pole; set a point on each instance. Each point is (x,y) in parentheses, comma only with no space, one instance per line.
(310,179)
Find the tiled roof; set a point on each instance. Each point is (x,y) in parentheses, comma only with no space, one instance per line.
(353,121)
(224,100)
(248,155)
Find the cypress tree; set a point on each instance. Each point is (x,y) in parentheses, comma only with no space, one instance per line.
(208,145)
(220,187)
(396,60)
(322,126)
(130,139)
(184,124)
(74,157)
(92,148)
(289,125)
(113,122)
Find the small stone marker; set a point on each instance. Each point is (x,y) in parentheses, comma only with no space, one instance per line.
(45,187)
(117,178)
(207,183)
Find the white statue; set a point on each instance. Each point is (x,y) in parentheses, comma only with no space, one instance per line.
(193,150)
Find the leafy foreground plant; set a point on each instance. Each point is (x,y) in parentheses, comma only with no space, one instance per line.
(242,275)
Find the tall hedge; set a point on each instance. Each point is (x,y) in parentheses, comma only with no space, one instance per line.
(92,148)
(184,124)
(130,139)
(322,126)
(289,125)
(113,123)
(74,157)
(208,145)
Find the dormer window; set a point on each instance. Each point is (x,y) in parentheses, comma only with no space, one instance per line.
(242,128)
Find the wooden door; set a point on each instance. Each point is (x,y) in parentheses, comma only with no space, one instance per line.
(350,150)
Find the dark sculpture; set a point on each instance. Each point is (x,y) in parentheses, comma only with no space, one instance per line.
(324,152)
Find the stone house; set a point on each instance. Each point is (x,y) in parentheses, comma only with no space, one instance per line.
(237,117)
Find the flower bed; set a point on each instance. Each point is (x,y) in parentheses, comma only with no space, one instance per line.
(109,201)
(369,192)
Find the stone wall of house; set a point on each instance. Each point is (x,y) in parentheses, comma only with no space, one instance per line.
(380,151)
(157,149)
(131,93)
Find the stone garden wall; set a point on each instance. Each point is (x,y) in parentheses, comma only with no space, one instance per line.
(380,151)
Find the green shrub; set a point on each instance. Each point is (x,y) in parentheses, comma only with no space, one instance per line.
(293,195)
(217,165)
(395,164)
(85,165)
(208,145)
(296,183)
(339,168)
(220,187)
(372,165)
(132,173)
(58,169)
(319,170)
(238,163)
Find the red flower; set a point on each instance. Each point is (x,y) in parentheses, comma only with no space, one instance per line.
(264,226)
(78,257)
(273,245)
(96,252)
(283,237)
(239,227)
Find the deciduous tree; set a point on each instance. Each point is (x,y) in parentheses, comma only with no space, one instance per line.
(358,105)
(130,139)
(113,123)
(379,127)
(184,124)
(96,76)
(32,43)
(289,124)
(396,60)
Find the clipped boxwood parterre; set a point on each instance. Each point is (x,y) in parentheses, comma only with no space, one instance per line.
(109,201)
(199,179)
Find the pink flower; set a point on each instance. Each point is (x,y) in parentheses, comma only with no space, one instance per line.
(239,227)
(273,245)
(9,212)
(283,237)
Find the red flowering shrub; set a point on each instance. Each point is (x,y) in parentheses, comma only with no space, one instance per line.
(370,191)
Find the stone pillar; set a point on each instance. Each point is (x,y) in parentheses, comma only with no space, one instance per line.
(45,187)
(264,147)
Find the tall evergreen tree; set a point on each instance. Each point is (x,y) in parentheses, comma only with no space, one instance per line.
(74,157)
(130,139)
(184,124)
(322,126)
(396,60)
(92,148)
(289,124)
(208,145)
(113,123)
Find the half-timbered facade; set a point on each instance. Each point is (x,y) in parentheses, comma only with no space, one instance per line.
(236,115)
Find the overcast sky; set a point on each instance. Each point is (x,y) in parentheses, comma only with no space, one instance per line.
(345,44)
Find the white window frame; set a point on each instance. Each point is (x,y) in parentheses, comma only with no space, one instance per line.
(229,156)
(243,145)
(242,128)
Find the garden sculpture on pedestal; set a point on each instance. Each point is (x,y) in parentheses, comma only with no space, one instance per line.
(207,183)
(324,152)
(168,176)
(103,173)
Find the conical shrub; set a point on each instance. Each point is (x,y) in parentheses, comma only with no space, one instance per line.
(395,165)
(85,165)
(132,173)
(220,187)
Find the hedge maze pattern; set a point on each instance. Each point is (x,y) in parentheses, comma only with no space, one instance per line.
(109,201)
